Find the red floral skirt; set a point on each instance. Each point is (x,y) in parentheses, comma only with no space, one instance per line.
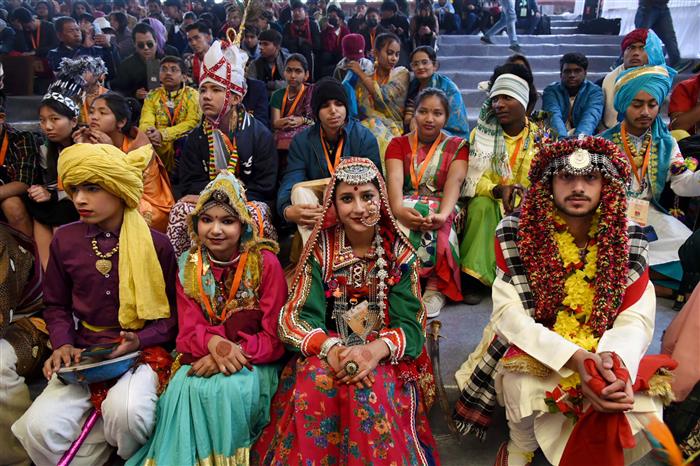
(316,421)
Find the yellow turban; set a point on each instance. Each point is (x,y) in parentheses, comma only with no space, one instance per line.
(141,284)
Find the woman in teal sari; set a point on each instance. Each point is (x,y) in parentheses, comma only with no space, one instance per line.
(230,291)
(425,65)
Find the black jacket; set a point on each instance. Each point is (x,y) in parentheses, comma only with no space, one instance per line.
(47,40)
(257,162)
(302,46)
(256,101)
(132,73)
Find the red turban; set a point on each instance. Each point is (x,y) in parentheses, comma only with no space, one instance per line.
(637,35)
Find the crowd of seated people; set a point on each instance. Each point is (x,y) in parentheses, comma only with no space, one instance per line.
(270,201)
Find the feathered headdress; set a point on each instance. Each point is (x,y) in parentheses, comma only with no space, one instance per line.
(78,66)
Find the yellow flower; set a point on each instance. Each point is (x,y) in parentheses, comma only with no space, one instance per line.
(324,382)
(578,286)
(381,426)
(576,332)
(571,381)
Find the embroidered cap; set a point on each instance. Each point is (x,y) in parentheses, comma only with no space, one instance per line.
(224,65)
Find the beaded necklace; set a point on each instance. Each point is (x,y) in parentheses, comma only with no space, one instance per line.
(646,155)
(357,276)
(230,143)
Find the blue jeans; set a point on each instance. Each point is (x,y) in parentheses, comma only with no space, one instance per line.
(469,24)
(659,19)
(507,21)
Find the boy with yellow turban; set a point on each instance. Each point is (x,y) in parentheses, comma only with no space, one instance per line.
(116,277)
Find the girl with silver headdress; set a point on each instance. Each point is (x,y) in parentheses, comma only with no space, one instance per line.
(93,72)
(46,202)
(359,388)
(230,291)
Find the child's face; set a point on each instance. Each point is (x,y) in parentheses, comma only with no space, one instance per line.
(219,232)
(95,205)
(251,41)
(234,17)
(268,49)
(103,119)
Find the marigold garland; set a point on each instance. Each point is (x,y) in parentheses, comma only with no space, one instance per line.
(557,275)
(539,250)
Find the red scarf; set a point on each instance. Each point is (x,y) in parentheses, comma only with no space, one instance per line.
(301,32)
(196,68)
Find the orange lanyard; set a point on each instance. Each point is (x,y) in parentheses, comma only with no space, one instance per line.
(3,149)
(230,145)
(381,82)
(232,292)
(516,152)
(274,69)
(338,153)
(297,99)
(172,117)
(35,42)
(125,145)
(372,34)
(86,110)
(415,180)
(628,151)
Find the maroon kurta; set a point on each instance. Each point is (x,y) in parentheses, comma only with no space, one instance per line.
(74,288)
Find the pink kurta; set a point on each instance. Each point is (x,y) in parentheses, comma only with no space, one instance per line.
(263,347)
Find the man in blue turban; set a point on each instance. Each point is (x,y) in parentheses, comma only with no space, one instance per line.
(639,47)
(655,159)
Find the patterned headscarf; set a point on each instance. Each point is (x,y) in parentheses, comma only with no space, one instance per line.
(224,65)
(225,191)
(657,81)
(354,171)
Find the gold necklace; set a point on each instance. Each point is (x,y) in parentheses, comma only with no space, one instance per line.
(103,264)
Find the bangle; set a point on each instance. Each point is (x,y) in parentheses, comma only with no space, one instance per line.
(284,213)
(327,346)
(392,349)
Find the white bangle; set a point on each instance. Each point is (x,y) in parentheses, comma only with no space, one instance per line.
(327,346)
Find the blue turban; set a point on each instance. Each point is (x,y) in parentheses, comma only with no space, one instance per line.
(654,49)
(652,45)
(656,81)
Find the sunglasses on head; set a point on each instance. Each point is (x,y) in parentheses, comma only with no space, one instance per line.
(145,45)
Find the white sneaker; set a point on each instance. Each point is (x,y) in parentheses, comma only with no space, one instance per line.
(433,301)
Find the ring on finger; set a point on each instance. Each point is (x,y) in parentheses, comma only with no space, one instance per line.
(351,368)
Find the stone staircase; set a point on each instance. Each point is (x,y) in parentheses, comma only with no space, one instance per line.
(467,61)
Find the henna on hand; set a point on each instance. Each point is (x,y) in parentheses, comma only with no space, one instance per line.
(223,348)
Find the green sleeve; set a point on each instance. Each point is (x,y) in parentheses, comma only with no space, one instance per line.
(313,311)
(276,98)
(405,310)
